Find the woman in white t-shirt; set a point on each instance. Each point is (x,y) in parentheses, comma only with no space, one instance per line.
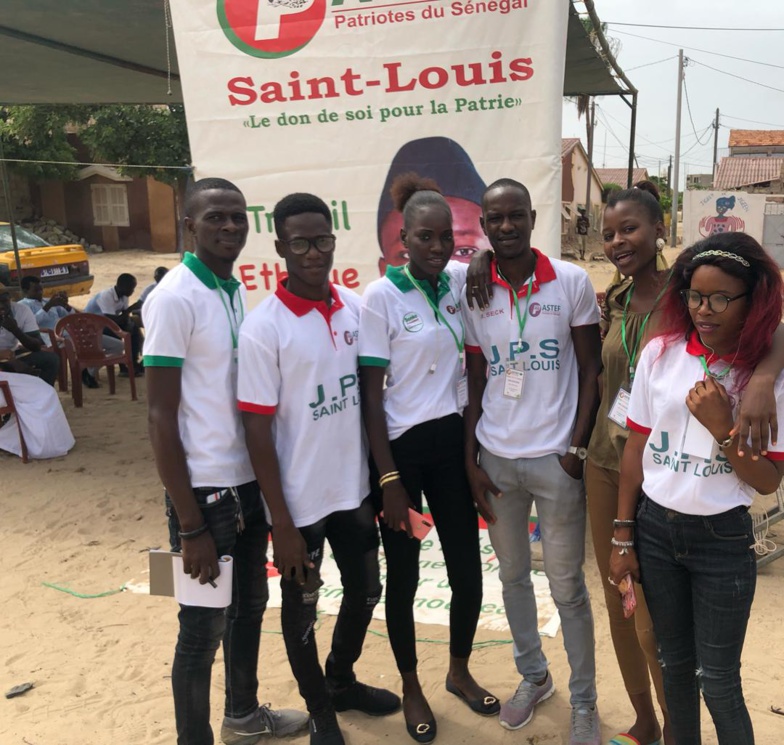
(682,476)
(411,341)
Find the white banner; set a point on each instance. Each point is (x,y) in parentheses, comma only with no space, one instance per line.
(335,97)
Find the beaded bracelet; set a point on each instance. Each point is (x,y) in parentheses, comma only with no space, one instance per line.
(622,544)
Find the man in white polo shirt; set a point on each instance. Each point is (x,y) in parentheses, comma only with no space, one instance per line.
(213,502)
(113,303)
(299,394)
(533,364)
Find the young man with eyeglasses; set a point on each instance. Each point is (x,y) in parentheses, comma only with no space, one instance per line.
(299,395)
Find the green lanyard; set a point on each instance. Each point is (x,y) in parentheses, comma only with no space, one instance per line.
(521,320)
(231,316)
(459,343)
(632,355)
(716,376)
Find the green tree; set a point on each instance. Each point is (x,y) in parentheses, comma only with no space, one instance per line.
(40,133)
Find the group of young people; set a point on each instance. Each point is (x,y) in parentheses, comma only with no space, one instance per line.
(479,390)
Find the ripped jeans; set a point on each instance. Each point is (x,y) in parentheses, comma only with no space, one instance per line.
(353,538)
(699,576)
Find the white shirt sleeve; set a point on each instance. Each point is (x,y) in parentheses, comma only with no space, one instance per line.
(458,271)
(259,377)
(25,318)
(640,414)
(469,316)
(585,310)
(374,332)
(168,325)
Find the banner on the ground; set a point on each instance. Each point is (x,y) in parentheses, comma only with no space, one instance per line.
(335,97)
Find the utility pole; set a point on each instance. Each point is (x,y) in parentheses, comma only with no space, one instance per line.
(715,147)
(674,220)
(589,182)
(669,177)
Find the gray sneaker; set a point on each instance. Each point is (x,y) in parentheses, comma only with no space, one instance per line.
(519,709)
(264,722)
(585,726)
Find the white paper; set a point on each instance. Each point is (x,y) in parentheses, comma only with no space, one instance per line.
(189,592)
(697,441)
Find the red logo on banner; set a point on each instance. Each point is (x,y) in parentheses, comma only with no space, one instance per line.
(271,28)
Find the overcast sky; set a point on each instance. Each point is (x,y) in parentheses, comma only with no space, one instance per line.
(708,90)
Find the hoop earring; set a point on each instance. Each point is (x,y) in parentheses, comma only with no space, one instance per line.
(660,244)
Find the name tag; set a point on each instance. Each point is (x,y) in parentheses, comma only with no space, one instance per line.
(462,392)
(620,408)
(697,441)
(513,383)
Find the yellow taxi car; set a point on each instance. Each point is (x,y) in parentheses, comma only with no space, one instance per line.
(60,268)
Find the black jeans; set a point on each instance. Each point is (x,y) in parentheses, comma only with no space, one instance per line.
(430,458)
(353,537)
(46,363)
(239,625)
(699,576)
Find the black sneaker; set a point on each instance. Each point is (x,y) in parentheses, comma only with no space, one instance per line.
(324,729)
(88,380)
(377,702)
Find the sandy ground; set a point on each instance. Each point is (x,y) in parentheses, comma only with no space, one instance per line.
(101,667)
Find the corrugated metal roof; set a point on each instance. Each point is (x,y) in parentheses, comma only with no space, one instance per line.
(736,172)
(756,138)
(618,175)
(567,143)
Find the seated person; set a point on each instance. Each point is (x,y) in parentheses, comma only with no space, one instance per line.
(159,274)
(44,426)
(49,312)
(113,303)
(21,343)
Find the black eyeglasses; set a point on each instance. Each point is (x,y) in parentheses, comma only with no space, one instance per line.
(300,246)
(717,302)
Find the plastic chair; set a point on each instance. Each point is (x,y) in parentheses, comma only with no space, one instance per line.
(8,407)
(83,347)
(58,347)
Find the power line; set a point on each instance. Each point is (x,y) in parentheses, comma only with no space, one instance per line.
(649,64)
(703,51)
(688,108)
(732,75)
(753,121)
(690,28)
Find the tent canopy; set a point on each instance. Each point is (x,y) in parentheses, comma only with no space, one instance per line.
(121,51)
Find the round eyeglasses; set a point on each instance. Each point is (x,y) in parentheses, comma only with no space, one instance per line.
(300,246)
(717,302)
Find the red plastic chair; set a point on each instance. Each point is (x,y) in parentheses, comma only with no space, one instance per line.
(8,407)
(57,347)
(83,346)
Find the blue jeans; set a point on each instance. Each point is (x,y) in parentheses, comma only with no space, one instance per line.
(353,537)
(560,505)
(239,625)
(699,576)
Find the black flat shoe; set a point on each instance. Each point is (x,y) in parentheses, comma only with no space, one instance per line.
(488,706)
(423,732)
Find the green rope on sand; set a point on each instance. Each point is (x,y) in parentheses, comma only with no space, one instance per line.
(84,596)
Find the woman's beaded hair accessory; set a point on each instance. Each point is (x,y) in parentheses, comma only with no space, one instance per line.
(723,255)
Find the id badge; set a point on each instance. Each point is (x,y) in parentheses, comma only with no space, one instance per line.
(697,440)
(235,355)
(620,408)
(513,383)
(462,392)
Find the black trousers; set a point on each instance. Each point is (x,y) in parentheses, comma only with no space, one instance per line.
(353,538)
(430,460)
(46,363)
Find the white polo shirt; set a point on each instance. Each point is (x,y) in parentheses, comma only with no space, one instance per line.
(188,326)
(298,362)
(541,420)
(25,319)
(399,331)
(106,303)
(678,480)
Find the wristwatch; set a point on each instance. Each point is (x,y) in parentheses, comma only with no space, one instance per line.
(581,453)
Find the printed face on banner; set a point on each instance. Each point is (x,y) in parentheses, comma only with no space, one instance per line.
(338,97)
